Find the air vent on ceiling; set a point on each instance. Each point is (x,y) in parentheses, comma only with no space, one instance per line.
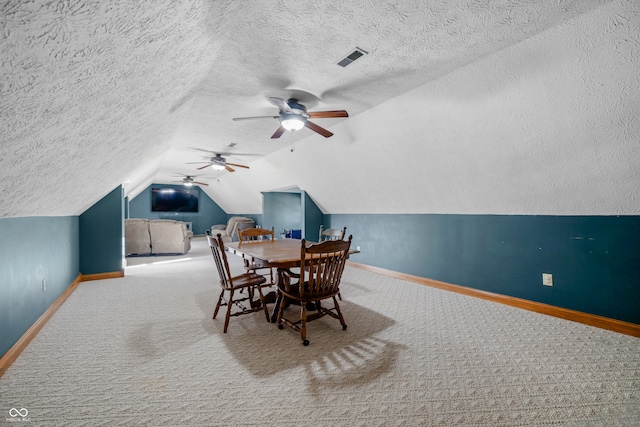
(357,53)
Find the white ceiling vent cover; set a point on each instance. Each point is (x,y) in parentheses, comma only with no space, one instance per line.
(357,53)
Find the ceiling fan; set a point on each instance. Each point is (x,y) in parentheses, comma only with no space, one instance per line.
(294,116)
(188,181)
(220,163)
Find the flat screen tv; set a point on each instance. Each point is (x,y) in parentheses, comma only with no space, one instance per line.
(170,199)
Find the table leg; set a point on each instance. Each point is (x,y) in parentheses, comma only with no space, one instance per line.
(276,307)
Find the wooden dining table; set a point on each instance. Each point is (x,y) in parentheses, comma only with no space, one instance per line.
(281,254)
(277,253)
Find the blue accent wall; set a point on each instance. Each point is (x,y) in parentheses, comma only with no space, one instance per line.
(313,218)
(595,260)
(31,250)
(102,235)
(282,210)
(292,210)
(209,213)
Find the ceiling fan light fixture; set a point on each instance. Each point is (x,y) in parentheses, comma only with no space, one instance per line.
(218,167)
(292,122)
(188,183)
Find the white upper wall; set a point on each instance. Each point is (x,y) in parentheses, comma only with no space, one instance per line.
(548,126)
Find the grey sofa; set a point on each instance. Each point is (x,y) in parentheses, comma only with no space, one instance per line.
(229,231)
(156,237)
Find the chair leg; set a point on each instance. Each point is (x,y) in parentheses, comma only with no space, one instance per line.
(335,303)
(283,304)
(215,312)
(229,304)
(303,323)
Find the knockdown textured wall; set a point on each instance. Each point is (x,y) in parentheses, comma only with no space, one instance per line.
(548,126)
(595,261)
(32,250)
(91,93)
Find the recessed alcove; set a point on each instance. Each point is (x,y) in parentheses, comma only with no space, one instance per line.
(291,208)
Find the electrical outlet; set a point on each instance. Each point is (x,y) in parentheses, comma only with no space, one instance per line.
(44,285)
(547,279)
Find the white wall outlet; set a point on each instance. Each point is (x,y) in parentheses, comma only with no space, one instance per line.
(547,279)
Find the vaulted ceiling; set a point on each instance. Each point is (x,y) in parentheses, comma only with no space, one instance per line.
(518,107)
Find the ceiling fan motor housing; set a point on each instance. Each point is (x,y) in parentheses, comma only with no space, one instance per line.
(296,106)
(219,159)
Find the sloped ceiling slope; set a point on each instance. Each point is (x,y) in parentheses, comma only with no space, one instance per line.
(547,126)
(458,107)
(92,91)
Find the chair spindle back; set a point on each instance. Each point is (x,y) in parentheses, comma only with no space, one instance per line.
(220,257)
(323,264)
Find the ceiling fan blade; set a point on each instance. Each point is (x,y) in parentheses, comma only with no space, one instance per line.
(278,133)
(205,166)
(195,163)
(237,165)
(200,183)
(200,149)
(328,114)
(252,118)
(229,168)
(281,104)
(314,127)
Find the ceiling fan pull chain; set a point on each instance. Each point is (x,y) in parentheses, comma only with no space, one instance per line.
(293,142)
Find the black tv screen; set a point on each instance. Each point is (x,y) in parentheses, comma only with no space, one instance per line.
(169,199)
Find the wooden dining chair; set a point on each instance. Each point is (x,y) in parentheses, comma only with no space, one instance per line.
(257,235)
(321,267)
(230,284)
(331,234)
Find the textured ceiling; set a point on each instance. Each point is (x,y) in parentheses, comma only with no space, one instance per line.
(95,94)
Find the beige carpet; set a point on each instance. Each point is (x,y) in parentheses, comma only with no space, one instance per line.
(144,351)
